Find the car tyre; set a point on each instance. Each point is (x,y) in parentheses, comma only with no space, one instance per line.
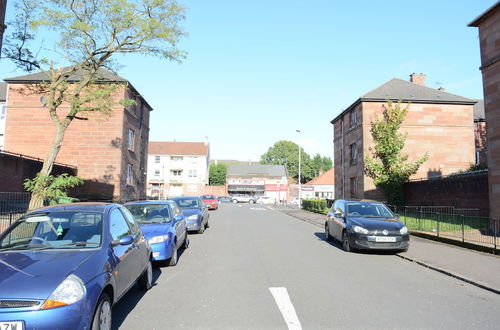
(235,201)
(346,245)
(103,315)
(328,237)
(146,279)
(175,256)
(252,201)
(186,242)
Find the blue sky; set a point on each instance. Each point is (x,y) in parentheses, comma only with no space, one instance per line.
(259,70)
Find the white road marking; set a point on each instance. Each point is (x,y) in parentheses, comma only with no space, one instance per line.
(258,208)
(286,307)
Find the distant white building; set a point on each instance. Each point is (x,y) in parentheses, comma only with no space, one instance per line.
(177,168)
(321,187)
(3,112)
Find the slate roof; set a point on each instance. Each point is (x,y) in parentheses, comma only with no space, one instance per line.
(479,111)
(398,89)
(178,148)
(3,92)
(103,77)
(256,170)
(487,13)
(323,179)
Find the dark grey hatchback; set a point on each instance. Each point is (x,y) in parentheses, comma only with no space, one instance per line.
(367,225)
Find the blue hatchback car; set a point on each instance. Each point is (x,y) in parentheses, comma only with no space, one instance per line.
(164,227)
(64,266)
(195,211)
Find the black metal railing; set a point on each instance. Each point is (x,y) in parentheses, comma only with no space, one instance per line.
(466,225)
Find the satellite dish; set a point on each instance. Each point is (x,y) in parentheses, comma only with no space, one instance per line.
(43,100)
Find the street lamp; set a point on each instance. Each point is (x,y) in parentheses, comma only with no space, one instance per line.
(300,186)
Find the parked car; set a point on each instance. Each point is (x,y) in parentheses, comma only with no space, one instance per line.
(210,201)
(224,199)
(295,201)
(362,224)
(64,266)
(264,200)
(164,226)
(195,211)
(241,198)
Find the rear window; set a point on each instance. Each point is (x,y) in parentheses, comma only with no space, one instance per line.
(208,197)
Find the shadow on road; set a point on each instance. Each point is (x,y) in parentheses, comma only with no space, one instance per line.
(130,300)
(338,245)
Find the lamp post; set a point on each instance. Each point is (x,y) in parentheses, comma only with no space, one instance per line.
(300,185)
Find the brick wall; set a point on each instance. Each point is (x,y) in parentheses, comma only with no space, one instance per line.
(14,169)
(489,36)
(98,147)
(465,191)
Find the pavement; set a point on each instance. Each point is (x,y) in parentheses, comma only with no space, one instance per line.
(476,268)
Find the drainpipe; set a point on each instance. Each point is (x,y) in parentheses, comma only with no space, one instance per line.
(342,155)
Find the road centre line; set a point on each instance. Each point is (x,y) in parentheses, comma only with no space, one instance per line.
(285,305)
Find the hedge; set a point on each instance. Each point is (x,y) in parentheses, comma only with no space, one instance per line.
(315,205)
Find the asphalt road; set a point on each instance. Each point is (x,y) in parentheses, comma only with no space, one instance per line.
(223,281)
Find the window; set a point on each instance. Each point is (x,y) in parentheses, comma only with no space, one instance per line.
(353,150)
(130,219)
(118,226)
(176,172)
(176,159)
(157,159)
(157,172)
(129,174)
(352,119)
(3,111)
(192,173)
(131,139)
(354,184)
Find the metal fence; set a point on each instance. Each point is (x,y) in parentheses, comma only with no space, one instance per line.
(466,225)
(14,201)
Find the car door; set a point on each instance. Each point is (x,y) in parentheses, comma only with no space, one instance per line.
(124,268)
(180,226)
(140,245)
(338,220)
(204,211)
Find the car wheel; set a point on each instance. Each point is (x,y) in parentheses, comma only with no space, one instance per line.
(207,225)
(146,279)
(174,258)
(252,201)
(201,230)
(186,242)
(328,237)
(103,314)
(345,242)
(235,201)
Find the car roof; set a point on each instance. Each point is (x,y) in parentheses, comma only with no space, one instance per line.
(76,207)
(147,202)
(359,200)
(183,197)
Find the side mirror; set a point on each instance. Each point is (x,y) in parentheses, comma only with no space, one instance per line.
(126,240)
(397,216)
(339,215)
(178,218)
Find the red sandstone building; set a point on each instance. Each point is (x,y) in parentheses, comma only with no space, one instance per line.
(439,123)
(110,153)
(489,39)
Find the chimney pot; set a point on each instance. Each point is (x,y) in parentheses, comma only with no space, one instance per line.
(418,78)
(441,89)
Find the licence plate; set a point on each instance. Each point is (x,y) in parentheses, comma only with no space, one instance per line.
(17,325)
(385,239)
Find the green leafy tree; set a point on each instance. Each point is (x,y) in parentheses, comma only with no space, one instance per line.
(320,164)
(217,174)
(388,167)
(85,37)
(287,153)
(52,187)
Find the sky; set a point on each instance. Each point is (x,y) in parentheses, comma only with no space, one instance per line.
(259,70)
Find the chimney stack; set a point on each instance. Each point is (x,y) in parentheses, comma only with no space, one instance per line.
(441,89)
(418,78)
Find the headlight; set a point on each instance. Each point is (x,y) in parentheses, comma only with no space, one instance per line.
(68,292)
(159,239)
(193,217)
(403,230)
(360,230)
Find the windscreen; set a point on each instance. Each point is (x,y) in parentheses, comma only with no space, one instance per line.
(54,230)
(187,203)
(368,210)
(150,213)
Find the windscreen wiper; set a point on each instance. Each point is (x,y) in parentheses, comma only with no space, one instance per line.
(81,243)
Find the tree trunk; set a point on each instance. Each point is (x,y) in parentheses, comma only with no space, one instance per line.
(36,197)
